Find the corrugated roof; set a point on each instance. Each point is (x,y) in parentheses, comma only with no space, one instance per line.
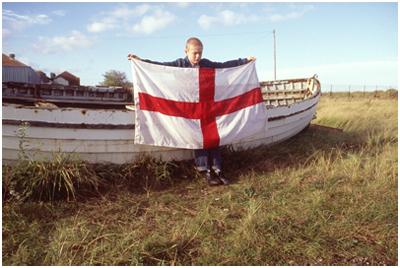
(20,74)
(8,61)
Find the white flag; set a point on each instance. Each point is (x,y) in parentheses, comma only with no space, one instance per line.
(196,108)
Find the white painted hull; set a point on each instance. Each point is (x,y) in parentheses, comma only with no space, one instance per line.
(105,135)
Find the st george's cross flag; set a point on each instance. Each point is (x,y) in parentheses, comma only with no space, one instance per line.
(196,108)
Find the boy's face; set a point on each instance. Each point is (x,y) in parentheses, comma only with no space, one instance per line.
(193,52)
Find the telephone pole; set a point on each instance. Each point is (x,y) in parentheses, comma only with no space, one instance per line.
(274,55)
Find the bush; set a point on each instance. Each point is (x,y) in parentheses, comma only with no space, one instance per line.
(58,179)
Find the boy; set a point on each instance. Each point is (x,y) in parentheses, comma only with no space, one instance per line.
(204,158)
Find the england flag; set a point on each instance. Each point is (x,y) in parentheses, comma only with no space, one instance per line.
(196,108)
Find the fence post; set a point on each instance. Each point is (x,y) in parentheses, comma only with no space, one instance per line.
(330,94)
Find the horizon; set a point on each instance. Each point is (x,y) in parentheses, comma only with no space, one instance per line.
(310,38)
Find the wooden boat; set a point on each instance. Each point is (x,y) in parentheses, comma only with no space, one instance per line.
(98,124)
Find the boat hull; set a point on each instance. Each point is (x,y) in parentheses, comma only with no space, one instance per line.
(107,135)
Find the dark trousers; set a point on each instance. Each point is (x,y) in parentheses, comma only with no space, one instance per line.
(205,159)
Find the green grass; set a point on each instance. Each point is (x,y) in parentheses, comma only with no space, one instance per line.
(321,198)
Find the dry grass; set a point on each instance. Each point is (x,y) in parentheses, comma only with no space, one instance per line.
(321,198)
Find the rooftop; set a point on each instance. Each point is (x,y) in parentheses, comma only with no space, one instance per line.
(11,61)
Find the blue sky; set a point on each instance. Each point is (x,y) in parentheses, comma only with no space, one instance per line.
(344,43)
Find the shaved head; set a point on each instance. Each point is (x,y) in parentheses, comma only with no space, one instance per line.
(194,50)
(193,41)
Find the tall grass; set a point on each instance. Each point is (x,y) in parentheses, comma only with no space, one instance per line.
(58,179)
(322,198)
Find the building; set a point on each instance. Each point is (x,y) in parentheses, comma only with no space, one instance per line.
(66,79)
(44,79)
(16,71)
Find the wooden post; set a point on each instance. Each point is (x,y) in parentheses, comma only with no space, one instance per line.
(364,91)
(349,90)
(330,94)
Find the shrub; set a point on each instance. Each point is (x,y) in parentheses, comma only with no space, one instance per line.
(58,179)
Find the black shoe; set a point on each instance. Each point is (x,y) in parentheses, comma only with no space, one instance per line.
(221,177)
(211,180)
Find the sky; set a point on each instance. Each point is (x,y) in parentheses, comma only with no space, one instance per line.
(345,44)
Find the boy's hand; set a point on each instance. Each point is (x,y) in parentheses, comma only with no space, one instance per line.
(251,58)
(132,56)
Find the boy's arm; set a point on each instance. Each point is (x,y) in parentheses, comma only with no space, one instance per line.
(227,64)
(168,63)
(175,63)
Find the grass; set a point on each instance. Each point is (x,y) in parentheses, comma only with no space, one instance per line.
(321,198)
(58,179)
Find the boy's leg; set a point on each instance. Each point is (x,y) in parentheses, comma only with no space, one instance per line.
(201,158)
(216,160)
(215,155)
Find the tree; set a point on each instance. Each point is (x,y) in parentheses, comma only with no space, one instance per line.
(115,78)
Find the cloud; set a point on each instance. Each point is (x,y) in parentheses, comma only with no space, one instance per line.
(66,43)
(151,23)
(104,25)
(60,13)
(126,13)
(117,18)
(295,13)
(18,22)
(182,4)
(227,17)
(206,21)
(144,19)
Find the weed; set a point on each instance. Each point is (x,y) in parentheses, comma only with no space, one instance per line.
(58,179)
(22,145)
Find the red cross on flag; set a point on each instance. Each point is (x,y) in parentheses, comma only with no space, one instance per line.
(196,108)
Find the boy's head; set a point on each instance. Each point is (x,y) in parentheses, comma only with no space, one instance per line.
(194,50)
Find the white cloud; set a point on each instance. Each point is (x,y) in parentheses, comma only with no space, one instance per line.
(151,23)
(126,13)
(182,4)
(228,17)
(295,12)
(59,12)
(66,43)
(206,21)
(17,22)
(143,18)
(117,18)
(106,24)
(101,26)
